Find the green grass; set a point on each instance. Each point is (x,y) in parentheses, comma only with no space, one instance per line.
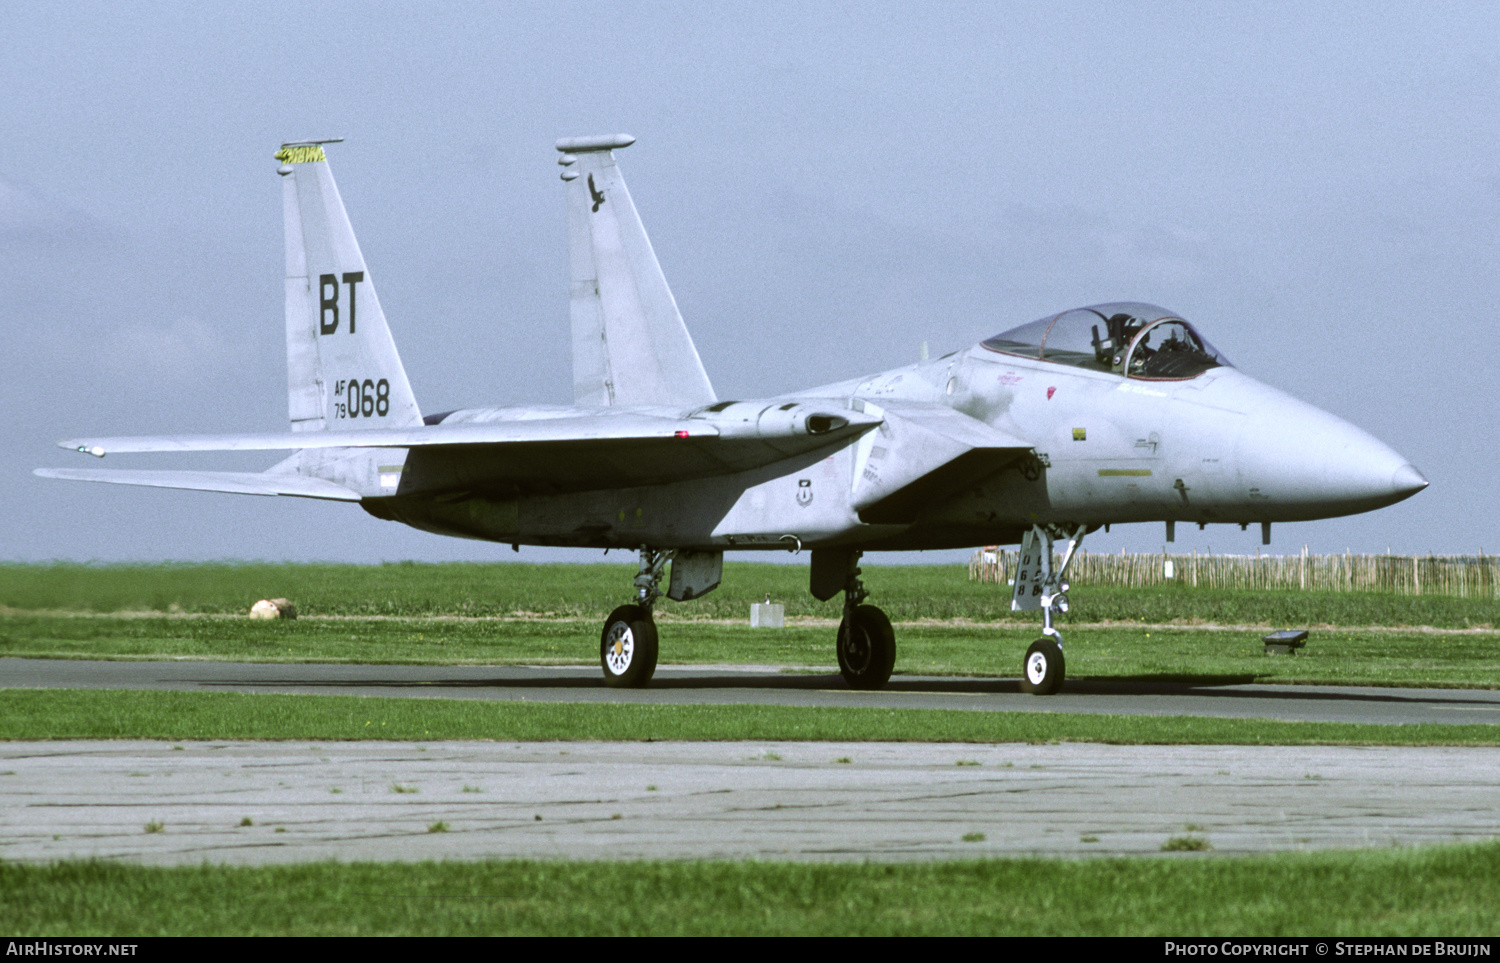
(540,614)
(39,714)
(591,591)
(1333,656)
(1447,892)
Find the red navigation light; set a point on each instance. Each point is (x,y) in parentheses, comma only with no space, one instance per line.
(682,433)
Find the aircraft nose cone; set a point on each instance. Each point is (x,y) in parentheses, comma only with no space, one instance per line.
(1352,468)
(1296,462)
(1407,481)
(1302,462)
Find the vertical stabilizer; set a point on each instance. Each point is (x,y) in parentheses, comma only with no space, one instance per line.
(630,346)
(342,367)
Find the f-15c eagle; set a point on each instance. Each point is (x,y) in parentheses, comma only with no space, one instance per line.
(1105,414)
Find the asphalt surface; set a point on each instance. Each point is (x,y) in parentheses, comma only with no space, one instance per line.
(255,803)
(767,686)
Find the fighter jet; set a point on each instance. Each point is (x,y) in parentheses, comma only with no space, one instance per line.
(1094,416)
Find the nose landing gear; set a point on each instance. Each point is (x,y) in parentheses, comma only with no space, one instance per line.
(1038,586)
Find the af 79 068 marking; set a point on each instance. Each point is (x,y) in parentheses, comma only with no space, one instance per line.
(362,398)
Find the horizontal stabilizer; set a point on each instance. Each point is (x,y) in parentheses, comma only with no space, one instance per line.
(237,483)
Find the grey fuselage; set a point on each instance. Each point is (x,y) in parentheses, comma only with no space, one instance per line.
(1218,447)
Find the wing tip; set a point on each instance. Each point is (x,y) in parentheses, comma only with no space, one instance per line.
(80,444)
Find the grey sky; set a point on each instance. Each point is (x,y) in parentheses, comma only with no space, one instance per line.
(828,185)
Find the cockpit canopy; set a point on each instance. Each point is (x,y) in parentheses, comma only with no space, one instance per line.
(1128,338)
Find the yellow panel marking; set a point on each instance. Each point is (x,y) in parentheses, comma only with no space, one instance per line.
(1080,434)
(1127,472)
(303,154)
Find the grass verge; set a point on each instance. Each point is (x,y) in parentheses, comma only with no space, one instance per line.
(591,591)
(1333,656)
(1447,892)
(40,714)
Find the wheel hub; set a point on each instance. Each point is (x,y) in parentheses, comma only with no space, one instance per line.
(621,647)
(1036,668)
(856,649)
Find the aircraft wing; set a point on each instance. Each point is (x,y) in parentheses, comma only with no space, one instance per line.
(530,452)
(596,427)
(923,454)
(238,483)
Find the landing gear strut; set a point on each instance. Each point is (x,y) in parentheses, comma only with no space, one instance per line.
(1038,586)
(627,646)
(867,643)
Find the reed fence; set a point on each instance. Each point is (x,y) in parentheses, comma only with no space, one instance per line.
(1465,576)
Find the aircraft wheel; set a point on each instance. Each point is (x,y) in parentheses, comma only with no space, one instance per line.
(867,648)
(1044,668)
(627,647)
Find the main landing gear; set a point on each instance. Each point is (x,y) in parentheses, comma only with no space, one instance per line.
(1038,586)
(867,643)
(627,647)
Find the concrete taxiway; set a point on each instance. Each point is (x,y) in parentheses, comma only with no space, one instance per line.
(287,802)
(255,803)
(721,685)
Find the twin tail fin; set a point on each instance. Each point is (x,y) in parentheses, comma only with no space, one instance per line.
(630,346)
(343,370)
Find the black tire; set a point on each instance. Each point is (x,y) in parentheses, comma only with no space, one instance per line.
(867,648)
(627,647)
(1044,669)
